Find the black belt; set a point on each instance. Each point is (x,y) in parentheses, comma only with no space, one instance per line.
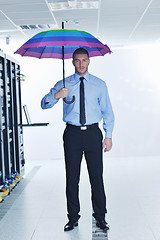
(85,127)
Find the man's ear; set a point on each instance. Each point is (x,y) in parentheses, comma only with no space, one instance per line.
(73,62)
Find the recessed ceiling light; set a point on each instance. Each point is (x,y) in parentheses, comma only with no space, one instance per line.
(73,4)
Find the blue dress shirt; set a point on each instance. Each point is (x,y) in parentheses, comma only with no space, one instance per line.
(97,102)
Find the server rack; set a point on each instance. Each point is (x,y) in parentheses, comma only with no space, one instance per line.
(11,132)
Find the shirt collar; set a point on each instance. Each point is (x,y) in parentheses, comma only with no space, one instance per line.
(86,76)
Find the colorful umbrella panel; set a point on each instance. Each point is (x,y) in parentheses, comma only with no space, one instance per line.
(49,44)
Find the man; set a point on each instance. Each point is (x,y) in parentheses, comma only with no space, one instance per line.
(82,135)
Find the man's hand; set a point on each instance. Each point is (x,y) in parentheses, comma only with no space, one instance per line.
(107,144)
(62,93)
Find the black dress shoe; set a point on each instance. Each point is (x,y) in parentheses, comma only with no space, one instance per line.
(70,225)
(102,224)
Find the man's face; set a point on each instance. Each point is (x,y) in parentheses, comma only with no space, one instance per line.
(81,63)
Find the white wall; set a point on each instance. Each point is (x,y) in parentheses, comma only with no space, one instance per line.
(133,79)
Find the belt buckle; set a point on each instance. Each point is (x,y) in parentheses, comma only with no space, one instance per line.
(84,128)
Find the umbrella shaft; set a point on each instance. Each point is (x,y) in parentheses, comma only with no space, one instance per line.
(63,66)
(63,60)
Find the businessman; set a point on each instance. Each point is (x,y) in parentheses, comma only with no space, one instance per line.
(82,135)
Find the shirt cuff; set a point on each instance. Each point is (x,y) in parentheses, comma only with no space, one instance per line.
(51,102)
(108,134)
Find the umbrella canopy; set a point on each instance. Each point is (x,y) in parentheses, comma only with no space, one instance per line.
(48,44)
(61,43)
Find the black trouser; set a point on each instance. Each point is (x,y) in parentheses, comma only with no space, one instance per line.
(77,141)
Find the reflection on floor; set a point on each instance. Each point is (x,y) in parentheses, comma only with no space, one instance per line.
(36,209)
(97,233)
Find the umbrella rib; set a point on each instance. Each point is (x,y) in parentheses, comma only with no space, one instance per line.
(42,52)
(25,52)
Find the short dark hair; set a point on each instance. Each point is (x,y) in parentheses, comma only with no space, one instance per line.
(80,51)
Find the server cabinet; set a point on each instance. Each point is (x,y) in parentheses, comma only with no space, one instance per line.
(2,121)
(11,131)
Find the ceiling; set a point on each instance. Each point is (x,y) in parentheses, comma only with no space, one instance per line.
(117,23)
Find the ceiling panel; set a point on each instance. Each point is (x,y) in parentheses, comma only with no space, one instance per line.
(121,3)
(119,18)
(5,24)
(155,3)
(152,17)
(23,7)
(149,28)
(35,21)
(2,17)
(9,2)
(28,15)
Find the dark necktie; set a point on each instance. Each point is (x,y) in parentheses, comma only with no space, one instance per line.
(82,105)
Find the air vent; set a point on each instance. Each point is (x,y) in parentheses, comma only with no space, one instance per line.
(24,27)
(39,26)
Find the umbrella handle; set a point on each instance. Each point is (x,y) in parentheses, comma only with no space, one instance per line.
(69,102)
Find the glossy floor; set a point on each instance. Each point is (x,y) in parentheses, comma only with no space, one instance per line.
(36,208)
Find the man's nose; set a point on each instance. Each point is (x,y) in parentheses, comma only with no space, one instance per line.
(81,63)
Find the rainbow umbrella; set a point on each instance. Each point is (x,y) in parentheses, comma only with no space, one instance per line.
(61,43)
